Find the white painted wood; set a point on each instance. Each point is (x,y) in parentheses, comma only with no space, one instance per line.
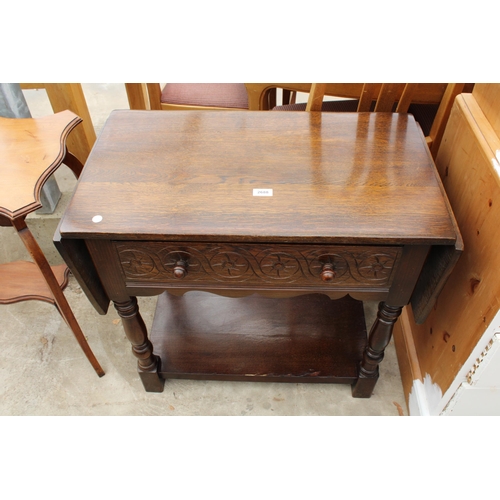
(486,373)
(424,398)
(474,402)
(479,390)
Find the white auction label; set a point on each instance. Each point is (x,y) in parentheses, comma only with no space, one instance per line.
(262,192)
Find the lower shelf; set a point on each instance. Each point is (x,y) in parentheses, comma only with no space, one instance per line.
(309,338)
(23,280)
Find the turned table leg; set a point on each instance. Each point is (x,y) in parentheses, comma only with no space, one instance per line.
(380,335)
(148,364)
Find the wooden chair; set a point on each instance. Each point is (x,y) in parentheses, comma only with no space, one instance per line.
(390,97)
(261,96)
(258,93)
(182,96)
(31,150)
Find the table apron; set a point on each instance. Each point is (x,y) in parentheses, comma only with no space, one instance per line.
(257,266)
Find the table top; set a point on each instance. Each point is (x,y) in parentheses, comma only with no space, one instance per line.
(31,149)
(192,176)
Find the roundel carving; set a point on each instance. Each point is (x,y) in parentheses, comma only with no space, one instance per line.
(279,265)
(229,264)
(137,263)
(376,267)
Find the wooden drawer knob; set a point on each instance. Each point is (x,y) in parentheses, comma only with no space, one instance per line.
(327,273)
(180,269)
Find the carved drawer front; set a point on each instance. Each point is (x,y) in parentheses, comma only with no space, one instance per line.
(247,265)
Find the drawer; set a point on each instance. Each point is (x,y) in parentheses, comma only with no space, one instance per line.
(257,264)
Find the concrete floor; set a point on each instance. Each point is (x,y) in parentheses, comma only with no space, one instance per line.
(44,372)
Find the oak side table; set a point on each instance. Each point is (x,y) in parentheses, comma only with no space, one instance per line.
(288,220)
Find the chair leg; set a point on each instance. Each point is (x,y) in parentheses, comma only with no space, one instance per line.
(60,299)
(271,98)
(71,161)
(289,96)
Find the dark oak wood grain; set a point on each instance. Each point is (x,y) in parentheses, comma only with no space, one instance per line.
(83,269)
(301,339)
(166,202)
(357,177)
(182,264)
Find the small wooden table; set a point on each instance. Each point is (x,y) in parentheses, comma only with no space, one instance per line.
(31,150)
(275,214)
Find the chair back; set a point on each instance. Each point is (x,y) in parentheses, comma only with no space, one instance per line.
(259,93)
(384,95)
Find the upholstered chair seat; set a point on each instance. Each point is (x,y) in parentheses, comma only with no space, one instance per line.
(218,95)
